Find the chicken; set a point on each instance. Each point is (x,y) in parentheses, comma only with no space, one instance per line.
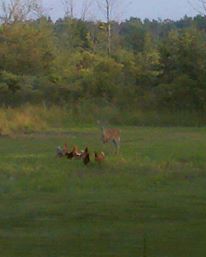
(65,149)
(74,153)
(69,155)
(59,152)
(77,154)
(99,157)
(85,156)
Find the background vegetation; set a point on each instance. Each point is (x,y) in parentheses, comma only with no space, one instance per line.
(154,73)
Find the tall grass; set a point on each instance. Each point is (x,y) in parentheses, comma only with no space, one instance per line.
(29,118)
(23,119)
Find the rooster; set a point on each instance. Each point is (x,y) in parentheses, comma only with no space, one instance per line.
(99,157)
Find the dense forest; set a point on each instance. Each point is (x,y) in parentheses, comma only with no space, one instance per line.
(152,64)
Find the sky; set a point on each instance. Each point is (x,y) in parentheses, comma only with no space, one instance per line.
(152,9)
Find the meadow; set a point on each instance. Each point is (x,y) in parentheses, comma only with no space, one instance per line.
(148,201)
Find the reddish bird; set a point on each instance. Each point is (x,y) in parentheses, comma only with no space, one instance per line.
(65,149)
(99,157)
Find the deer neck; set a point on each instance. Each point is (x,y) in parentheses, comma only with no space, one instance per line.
(102,129)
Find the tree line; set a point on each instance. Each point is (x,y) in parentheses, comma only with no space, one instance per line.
(148,64)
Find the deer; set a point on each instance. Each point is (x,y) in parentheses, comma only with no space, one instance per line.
(111,135)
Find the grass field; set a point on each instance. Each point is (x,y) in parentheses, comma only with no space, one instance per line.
(149,201)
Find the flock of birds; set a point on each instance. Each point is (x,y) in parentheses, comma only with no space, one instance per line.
(107,135)
(82,155)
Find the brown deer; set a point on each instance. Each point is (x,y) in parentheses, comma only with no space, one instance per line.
(111,135)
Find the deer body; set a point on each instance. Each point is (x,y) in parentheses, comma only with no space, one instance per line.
(111,135)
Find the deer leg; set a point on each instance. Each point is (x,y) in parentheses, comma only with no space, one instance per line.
(116,144)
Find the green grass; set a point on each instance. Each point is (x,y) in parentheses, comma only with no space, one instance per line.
(149,201)
(37,118)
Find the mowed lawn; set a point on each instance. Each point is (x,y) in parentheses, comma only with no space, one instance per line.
(148,201)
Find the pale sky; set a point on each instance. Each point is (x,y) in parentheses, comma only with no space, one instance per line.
(152,9)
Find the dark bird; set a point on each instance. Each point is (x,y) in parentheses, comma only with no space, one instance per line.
(69,155)
(85,156)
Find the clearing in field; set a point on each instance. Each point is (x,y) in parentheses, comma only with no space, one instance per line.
(150,200)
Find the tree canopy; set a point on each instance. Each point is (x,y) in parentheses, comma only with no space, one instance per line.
(152,63)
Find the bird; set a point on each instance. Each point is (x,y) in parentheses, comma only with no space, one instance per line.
(99,157)
(85,156)
(70,155)
(65,149)
(59,152)
(74,153)
(77,154)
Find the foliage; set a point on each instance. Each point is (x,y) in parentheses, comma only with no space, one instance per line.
(153,65)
